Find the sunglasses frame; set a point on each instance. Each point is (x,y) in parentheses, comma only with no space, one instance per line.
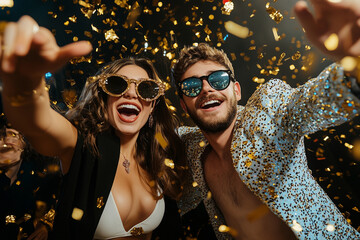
(206,77)
(103,78)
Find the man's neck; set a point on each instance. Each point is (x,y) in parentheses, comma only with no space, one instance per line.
(221,141)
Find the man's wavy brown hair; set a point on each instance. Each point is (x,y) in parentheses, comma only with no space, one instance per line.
(191,55)
(90,116)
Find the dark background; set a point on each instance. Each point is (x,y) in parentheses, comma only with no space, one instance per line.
(166,26)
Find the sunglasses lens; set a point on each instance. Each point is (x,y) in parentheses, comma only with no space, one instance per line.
(115,85)
(219,80)
(191,87)
(148,89)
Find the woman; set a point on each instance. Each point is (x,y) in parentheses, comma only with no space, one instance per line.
(114,146)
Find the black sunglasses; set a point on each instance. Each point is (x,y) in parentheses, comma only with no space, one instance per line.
(117,85)
(218,80)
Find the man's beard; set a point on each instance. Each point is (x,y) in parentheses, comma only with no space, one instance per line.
(217,125)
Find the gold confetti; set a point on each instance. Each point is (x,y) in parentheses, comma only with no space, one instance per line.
(332,42)
(195,184)
(202,144)
(236,29)
(94,28)
(231,231)
(227,8)
(162,141)
(100,202)
(275,33)
(110,35)
(77,214)
(169,163)
(6,3)
(296,56)
(274,14)
(73,19)
(350,63)
(208,196)
(70,97)
(330,227)
(296,226)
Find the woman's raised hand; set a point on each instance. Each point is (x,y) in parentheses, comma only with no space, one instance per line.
(29,51)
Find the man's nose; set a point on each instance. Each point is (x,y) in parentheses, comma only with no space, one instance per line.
(206,87)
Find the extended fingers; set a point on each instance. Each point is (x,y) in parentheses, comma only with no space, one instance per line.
(305,17)
(27,27)
(16,41)
(72,50)
(8,45)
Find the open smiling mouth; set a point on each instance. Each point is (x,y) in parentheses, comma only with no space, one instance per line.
(210,104)
(128,112)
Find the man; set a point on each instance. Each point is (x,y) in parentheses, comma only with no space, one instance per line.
(248,164)
(27,191)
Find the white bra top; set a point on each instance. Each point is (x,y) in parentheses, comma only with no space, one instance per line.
(111,226)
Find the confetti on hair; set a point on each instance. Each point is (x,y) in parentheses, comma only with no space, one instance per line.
(162,141)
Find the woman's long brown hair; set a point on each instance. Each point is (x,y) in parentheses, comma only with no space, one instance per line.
(90,116)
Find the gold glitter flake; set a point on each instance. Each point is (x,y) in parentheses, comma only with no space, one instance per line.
(227,8)
(236,29)
(162,141)
(100,202)
(350,63)
(296,226)
(169,163)
(10,219)
(296,56)
(231,231)
(132,16)
(110,35)
(77,214)
(330,227)
(332,42)
(70,97)
(274,14)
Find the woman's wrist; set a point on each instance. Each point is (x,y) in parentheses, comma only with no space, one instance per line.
(25,96)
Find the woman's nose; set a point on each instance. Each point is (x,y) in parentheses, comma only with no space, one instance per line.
(131,92)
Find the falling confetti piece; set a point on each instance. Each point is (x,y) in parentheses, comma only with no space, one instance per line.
(169,163)
(350,63)
(236,29)
(296,226)
(330,227)
(332,42)
(162,141)
(77,214)
(231,231)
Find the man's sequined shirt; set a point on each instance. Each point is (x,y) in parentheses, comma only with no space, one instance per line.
(268,153)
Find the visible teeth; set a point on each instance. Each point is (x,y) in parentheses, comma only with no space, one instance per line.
(210,102)
(130,106)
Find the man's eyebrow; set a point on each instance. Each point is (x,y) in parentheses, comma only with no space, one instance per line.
(209,72)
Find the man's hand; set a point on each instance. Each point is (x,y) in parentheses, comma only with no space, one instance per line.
(339,18)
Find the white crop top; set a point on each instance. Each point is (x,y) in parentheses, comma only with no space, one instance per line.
(110,224)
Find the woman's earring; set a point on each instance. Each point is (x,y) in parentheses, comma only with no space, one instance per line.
(151,121)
